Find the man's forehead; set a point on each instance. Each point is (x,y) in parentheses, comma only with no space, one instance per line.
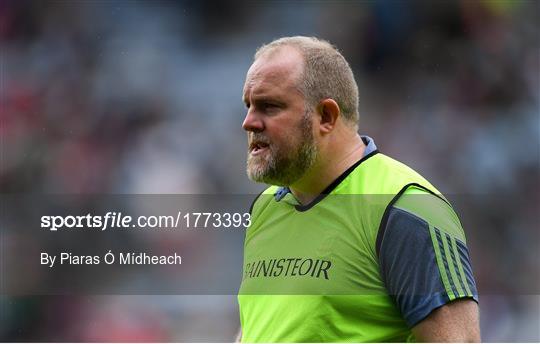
(281,68)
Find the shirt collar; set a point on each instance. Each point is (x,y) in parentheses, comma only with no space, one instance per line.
(284,193)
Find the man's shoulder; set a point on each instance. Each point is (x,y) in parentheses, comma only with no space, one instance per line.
(383,175)
(393,168)
(431,208)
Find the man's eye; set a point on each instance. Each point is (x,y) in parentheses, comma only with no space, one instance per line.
(269,106)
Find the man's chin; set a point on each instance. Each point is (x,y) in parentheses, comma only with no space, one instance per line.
(266,177)
(259,174)
(257,168)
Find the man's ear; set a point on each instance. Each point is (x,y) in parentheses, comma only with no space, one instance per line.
(329,113)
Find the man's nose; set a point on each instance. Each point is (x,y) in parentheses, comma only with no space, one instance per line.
(253,122)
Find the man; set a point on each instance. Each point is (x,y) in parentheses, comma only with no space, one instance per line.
(348,244)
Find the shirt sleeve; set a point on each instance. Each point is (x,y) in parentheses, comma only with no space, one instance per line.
(423,256)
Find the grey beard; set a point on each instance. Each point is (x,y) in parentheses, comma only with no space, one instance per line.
(284,169)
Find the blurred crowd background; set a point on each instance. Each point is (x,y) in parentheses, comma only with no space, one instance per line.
(144,97)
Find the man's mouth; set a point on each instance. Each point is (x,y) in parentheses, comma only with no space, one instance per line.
(258,147)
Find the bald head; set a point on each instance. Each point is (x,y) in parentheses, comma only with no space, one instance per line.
(277,68)
(323,72)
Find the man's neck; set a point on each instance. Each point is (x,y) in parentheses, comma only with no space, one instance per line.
(324,172)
